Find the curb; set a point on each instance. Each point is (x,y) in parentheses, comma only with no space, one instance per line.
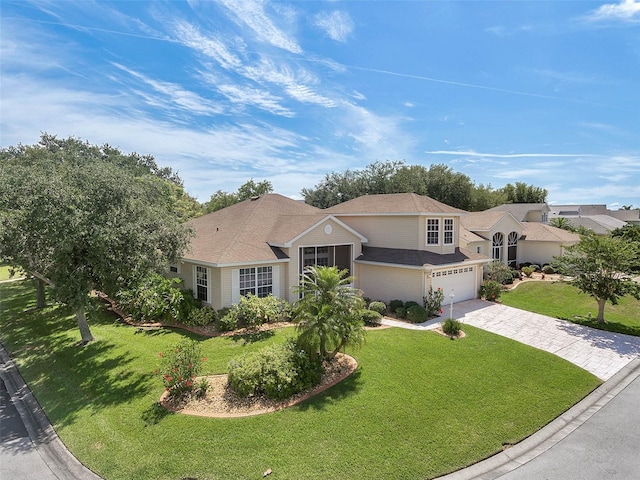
(44,438)
(549,435)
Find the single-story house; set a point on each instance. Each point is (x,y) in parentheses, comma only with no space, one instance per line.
(597,218)
(514,235)
(395,246)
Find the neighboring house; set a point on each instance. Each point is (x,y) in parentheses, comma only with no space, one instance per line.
(499,234)
(525,212)
(395,246)
(596,218)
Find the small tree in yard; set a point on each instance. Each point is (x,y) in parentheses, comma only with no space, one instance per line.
(328,313)
(180,365)
(601,266)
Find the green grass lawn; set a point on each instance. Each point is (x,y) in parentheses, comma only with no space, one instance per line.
(5,274)
(562,300)
(419,405)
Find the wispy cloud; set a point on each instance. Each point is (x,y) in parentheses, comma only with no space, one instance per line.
(627,11)
(471,153)
(251,13)
(338,24)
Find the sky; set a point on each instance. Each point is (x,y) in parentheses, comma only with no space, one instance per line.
(541,92)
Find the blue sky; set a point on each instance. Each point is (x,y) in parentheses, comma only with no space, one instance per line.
(543,92)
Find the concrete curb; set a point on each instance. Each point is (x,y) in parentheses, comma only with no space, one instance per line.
(51,449)
(548,436)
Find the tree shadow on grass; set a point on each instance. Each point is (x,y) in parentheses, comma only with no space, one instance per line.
(346,388)
(154,414)
(253,337)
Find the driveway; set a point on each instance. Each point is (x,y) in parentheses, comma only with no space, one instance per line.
(599,352)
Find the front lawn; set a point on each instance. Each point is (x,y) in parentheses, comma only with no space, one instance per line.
(563,300)
(418,406)
(5,273)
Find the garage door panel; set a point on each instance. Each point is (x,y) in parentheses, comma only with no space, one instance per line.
(460,280)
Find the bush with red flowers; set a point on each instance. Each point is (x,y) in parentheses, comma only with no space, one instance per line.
(179,367)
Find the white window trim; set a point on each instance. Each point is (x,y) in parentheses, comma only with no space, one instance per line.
(235,281)
(438,231)
(453,231)
(195,283)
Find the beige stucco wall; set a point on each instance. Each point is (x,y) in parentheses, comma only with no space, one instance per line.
(538,252)
(386,283)
(186,272)
(387,231)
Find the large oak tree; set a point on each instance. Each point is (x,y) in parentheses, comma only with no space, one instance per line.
(82,217)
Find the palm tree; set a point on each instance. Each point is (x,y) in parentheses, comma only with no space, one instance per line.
(328,313)
(562,222)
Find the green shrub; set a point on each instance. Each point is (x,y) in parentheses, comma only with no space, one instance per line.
(157,298)
(395,304)
(417,314)
(490,290)
(371,317)
(379,307)
(253,311)
(548,269)
(451,326)
(227,320)
(401,312)
(276,371)
(433,301)
(179,366)
(497,271)
(201,316)
(535,267)
(410,303)
(528,271)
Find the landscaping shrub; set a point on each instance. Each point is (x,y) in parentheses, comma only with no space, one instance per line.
(401,312)
(433,302)
(227,320)
(201,316)
(490,290)
(277,372)
(371,317)
(379,307)
(528,271)
(451,326)
(253,311)
(179,366)
(535,267)
(157,298)
(417,314)
(409,303)
(395,304)
(548,269)
(497,271)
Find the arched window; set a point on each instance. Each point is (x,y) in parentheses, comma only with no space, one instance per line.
(498,246)
(512,249)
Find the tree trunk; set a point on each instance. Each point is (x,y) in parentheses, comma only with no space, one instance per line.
(601,305)
(41,300)
(85,332)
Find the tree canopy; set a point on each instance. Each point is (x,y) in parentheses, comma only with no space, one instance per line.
(439,182)
(601,266)
(247,190)
(81,217)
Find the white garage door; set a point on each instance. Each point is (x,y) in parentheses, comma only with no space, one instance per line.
(461,280)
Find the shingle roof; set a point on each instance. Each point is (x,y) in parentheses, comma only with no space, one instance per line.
(243,232)
(392,203)
(469,237)
(541,232)
(482,221)
(520,210)
(416,258)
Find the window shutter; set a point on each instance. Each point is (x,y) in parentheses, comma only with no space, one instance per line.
(235,285)
(275,275)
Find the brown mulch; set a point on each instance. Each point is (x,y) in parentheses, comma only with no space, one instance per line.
(222,402)
(439,330)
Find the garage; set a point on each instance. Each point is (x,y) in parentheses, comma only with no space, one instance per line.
(461,280)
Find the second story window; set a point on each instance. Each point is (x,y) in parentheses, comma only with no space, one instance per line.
(433,231)
(448,231)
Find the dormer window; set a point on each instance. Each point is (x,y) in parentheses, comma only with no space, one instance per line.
(433,231)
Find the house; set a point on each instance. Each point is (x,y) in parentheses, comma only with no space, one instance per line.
(596,218)
(395,246)
(514,234)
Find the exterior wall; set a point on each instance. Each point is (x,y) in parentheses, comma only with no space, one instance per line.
(539,252)
(482,247)
(386,283)
(441,248)
(388,231)
(186,273)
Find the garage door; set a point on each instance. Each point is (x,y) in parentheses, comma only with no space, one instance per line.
(461,280)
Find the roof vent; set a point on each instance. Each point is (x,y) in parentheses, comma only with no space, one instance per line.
(254,198)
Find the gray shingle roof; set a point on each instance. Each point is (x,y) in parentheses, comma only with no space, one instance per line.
(391,203)
(416,258)
(520,210)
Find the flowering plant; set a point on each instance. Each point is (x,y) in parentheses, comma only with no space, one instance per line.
(179,367)
(433,301)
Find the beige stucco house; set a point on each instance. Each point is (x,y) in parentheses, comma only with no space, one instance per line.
(515,234)
(395,246)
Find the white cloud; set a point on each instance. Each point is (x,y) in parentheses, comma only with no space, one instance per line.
(211,46)
(338,24)
(253,96)
(471,153)
(625,11)
(251,13)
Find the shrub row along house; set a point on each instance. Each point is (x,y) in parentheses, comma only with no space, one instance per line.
(396,246)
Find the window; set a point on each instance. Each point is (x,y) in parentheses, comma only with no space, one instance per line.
(433,231)
(512,249)
(448,231)
(202,284)
(256,281)
(173,268)
(498,246)
(545,217)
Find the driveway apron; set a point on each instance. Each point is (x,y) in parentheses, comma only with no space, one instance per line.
(599,352)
